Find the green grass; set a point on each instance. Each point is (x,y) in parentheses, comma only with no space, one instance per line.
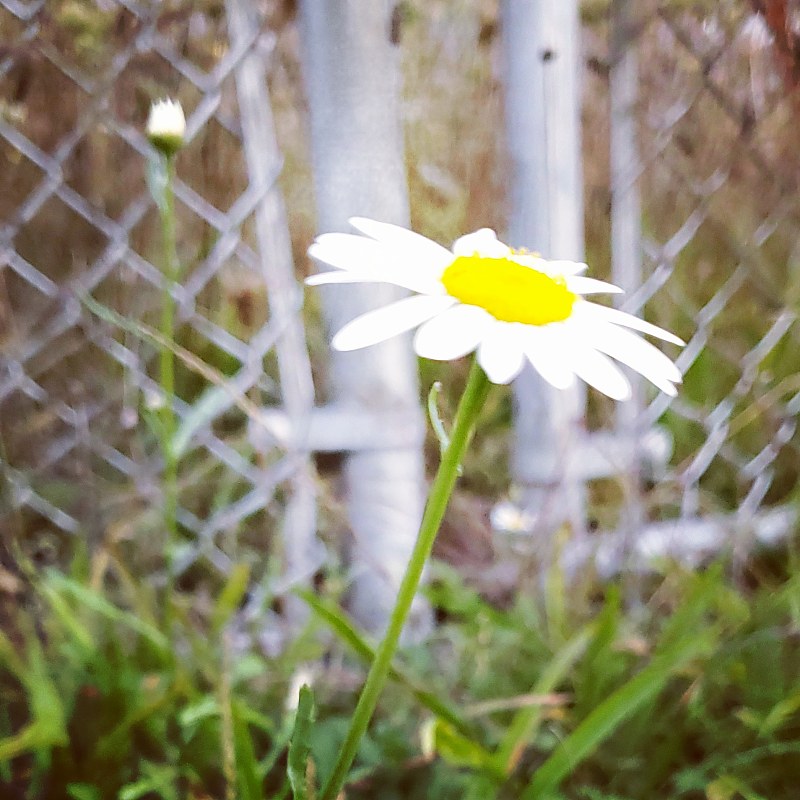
(694,694)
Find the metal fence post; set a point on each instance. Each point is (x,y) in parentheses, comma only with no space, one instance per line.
(626,233)
(541,45)
(301,549)
(352,81)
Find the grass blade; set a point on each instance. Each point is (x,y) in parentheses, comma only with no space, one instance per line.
(247,769)
(230,597)
(300,746)
(56,584)
(606,717)
(336,619)
(48,727)
(527,720)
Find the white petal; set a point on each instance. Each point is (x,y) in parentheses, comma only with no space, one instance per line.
(531,260)
(405,243)
(377,276)
(592,311)
(542,350)
(483,242)
(347,251)
(599,371)
(363,256)
(555,269)
(581,285)
(343,277)
(565,268)
(453,333)
(638,354)
(387,321)
(500,353)
(166,118)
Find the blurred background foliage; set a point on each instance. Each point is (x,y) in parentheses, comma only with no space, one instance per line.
(100,699)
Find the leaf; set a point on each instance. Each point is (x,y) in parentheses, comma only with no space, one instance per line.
(83,791)
(525,723)
(783,711)
(330,613)
(231,596)
(212,402)
(433,415)
(555,591)
(606,717)
(48,726)
(603,664)
(158,779)
(45,699)
(137,789)
(78,632)
(300,746)
(204,708)
(436,420)
(442,739)
(56,584)
(247,771)
(729,787)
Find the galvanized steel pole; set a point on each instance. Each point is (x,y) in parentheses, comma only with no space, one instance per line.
(543,101)
(352,79)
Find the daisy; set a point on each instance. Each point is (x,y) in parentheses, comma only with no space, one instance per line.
(166,126)
(511,306)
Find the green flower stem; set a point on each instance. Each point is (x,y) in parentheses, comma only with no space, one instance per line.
(167,364)
(470,405)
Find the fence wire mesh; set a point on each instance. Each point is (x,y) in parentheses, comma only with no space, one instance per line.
(714,119)
(716,173)
(79,243)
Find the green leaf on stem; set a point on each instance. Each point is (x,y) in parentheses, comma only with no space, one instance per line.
(436,420)
(433,415)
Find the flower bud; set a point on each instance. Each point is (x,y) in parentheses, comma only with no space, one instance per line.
(166,126)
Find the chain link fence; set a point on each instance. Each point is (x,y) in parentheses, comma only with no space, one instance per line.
(704,197)
(702,200)
(80,287)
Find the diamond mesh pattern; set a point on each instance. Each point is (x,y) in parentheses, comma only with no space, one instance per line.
(716,116)
(716,120)
(79,228)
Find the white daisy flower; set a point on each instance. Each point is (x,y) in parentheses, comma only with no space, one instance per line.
(511,306)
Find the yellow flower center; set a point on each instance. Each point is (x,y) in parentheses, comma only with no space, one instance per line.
(508,291)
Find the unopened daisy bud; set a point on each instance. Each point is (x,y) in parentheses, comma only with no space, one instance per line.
(166,126)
